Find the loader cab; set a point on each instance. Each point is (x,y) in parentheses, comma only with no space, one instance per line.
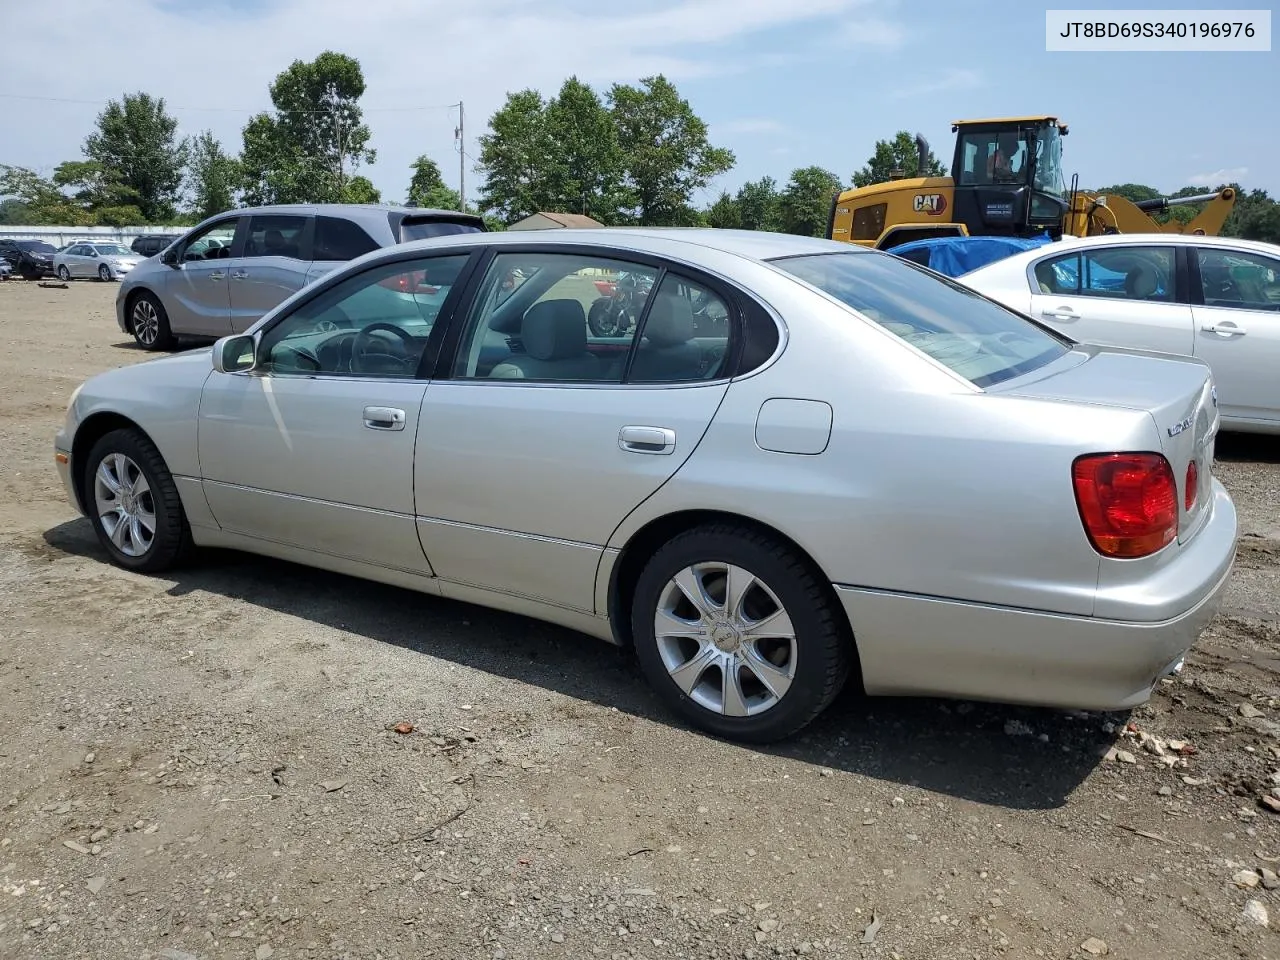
(1008,176)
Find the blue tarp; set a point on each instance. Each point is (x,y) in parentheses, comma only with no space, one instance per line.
(954,256)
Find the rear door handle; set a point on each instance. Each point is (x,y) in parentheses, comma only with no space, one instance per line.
(216,275)
(1224,329)
(383,418)
(1062,313)
(239,274)
(657,440)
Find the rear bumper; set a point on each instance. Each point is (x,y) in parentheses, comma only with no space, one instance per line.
(911,645)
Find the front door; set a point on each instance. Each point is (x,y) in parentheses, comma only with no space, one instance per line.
(1123,296)
(197,297)
(315,447)
(540,443)
(1237,318)
(271,267)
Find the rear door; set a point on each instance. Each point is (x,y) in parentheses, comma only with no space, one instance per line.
(1124,296)
(1236,304)
(535,442)
(271,266)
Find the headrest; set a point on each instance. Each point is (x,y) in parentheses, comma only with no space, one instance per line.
(555,330)
(1141,281)
(670,321)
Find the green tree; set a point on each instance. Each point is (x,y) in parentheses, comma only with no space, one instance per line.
(584,158)
(667,153)
(806,201)
(316,139)
(723,214)
(99,194)
(212,177)
(360,190)
(136,140)
(897,154)
(514,156)
(759,205)
(40,198)
(427,187)
(1256,216)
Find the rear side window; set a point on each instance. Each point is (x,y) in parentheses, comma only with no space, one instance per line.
(423,228)
(980,340)
(338,239)
(275,235)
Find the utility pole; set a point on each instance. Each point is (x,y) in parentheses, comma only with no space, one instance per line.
(462,162)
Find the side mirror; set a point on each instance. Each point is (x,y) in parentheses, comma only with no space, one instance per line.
(235,354)
(170,256)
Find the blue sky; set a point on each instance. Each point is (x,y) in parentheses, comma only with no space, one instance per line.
(783,83)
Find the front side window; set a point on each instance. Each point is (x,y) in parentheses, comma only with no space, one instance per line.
(212,243)
(1246,281)
(375,324)
(275,235)
(976,337)
(554,316)
(1123,273)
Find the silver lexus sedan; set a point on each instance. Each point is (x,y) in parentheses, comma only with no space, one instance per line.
(808,464)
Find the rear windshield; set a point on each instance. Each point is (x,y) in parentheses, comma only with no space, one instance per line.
(425,229)
(977,338)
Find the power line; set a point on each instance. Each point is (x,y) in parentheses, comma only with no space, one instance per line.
(100,103)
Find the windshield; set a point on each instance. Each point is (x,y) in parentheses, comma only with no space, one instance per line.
(977,338)
(112,250)
(1048,177)
(36,246)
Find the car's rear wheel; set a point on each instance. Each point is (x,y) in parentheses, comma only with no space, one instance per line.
(63,273)
(738,634)
(149,323)
(104,272)
(133,502)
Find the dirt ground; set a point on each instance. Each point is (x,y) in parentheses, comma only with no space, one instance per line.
(205,766)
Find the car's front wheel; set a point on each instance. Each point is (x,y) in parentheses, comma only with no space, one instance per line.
(63,273)
(739,634)
(133,502)
(149,323)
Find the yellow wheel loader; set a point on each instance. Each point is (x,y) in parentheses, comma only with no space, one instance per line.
(1006,181)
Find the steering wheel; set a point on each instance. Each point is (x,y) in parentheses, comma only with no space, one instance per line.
(367,347)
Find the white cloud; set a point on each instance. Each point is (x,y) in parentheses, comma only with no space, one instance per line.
(213,62)
(1217,178)
(960,78)
(750,125)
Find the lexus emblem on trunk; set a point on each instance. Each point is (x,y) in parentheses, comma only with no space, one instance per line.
(1181,425)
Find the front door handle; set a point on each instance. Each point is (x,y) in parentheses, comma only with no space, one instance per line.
(239,274)
(216,275)
(1224,329)
(1062,313)
(658,440)
(383,418)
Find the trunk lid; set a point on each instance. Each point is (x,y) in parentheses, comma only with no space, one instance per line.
(1178,393)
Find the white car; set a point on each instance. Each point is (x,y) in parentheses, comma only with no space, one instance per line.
(1214,298)
(104,259)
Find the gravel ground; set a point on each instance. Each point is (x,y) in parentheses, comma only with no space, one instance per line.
(207,765)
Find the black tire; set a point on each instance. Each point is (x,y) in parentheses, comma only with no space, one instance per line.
(603,318)
(104,273)
(150,335)
(171,541)
(63,273)
(824,654)
(27,273)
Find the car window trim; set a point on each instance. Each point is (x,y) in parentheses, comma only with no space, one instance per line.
(438,330)
(729,294)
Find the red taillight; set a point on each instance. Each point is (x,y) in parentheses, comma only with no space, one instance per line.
(1193,484)
(1128,502)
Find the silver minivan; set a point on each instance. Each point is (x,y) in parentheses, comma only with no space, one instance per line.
(228,271)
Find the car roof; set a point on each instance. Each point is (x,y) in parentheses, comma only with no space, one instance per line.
(749,244)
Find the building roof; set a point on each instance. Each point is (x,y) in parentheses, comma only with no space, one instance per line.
(563,219)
